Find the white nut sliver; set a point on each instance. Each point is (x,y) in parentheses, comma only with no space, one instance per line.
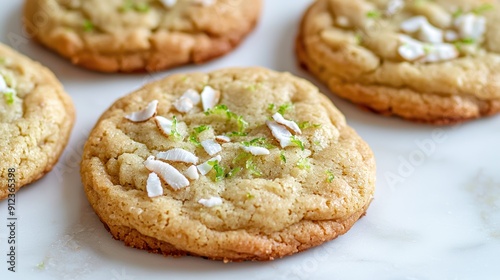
(222,139)
(206,3)
(281,133)
(209,98)
(193,95)
(289,124)
(183,104)
(430,34)
(441,52)
(342,21)
(205,167)
(211,147)
(410,49)
(394,6)
(256,151)
(192,173)
(178,155)
(3,84)
(450,36)
(153,185)
(167,173)
(411,52)
(169,3)
(211,202)
(413,24)
(470,26)
(164,125)
(145,114)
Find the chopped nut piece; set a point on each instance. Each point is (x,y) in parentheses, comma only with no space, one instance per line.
(280,133)
(167,173)
(211,202)
(192,173)
(256,151)
(209,98)
(289,124)
(153,185)
(211,147)
(145,114)
(179,155)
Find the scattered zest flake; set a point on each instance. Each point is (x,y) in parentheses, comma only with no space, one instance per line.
(307,124)
(193,138)
(187,101)
(297,142)
(303,163)
(219,170)
(373,14)
(130,5)
(233,172)
(256,151)
(252,168)
(224,110)
(88,26)
(330,176)
(205,167)
(8,92)
(282,157)
(145,114)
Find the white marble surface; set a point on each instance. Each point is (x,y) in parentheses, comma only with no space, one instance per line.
(436,213)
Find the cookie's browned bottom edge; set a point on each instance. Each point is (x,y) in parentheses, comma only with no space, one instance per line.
(91,61)
(133,238)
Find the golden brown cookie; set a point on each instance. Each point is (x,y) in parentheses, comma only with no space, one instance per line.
(237,164)
(36,118)
(428,61)
(140,35)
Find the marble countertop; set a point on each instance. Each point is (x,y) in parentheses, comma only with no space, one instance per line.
(436,212)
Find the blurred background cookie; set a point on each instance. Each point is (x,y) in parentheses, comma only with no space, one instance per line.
(140,35)
(36,118)
(427,61)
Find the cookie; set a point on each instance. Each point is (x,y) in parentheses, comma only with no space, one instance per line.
(233,165)
(140,35)
(36,118)
(428,61)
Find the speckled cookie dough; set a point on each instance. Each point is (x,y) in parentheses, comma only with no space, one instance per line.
(427,61)
(140,35)
(236,164)
(36,118)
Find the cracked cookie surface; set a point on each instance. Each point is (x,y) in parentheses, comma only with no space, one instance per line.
(140,35)
(270,205)
(36,118)
(354,48)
